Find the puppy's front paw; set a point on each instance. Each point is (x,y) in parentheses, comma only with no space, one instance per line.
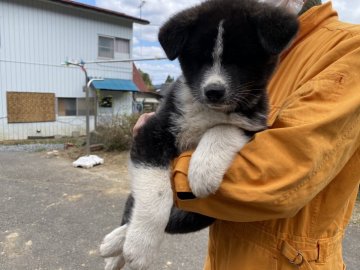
(113,243)
(212,157)
(203,179)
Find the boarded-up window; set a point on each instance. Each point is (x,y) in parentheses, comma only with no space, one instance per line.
(25,107)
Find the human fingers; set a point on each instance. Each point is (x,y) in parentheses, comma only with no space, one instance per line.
(141,121)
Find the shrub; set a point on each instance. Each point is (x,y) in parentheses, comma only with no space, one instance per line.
(115,132)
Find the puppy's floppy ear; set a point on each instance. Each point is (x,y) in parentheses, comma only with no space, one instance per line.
(175,32)
(276,28)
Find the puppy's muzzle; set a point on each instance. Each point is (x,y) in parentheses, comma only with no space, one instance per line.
(215,93)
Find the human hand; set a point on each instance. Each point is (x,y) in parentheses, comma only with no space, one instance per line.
(141,121)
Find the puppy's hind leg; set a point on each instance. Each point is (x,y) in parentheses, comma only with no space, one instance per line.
(113,242)
(114,263)
(153,200)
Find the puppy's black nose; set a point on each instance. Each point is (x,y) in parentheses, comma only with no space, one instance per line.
(214,92)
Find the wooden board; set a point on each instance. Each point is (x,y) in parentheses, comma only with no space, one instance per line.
(25,107)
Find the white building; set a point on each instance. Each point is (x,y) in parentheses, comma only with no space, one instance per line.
(38,95)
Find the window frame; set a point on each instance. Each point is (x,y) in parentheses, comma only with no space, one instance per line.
(111,101)
(58,106)
(113,47)
(92,106)
(92,109)
(114,52)
(122,39)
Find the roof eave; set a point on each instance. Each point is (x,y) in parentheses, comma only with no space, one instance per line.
(100,10)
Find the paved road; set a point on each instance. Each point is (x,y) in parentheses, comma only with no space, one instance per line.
(53,217)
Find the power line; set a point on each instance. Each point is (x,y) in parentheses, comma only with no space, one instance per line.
(104,68)
(126,60)
(30,63)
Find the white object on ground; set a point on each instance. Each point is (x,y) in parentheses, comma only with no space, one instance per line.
(52,153)
(88,161)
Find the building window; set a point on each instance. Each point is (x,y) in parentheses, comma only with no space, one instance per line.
(122,45)
(81,106)
(66,106)
(106,102)
(74,106)
(106,47)
(109,46)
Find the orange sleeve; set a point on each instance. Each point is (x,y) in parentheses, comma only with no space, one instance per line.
(283,168)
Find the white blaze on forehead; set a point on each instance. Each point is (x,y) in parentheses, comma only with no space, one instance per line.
(216,75)
(219,45)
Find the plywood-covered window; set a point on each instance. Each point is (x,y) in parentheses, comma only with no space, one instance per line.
(25,107)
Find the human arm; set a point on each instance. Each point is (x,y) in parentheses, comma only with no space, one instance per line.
(277,173)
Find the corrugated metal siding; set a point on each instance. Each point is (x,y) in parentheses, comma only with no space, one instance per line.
(36,37)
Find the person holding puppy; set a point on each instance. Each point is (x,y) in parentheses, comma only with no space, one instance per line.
(289,194)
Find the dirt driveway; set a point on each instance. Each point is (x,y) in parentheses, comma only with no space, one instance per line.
(53,216)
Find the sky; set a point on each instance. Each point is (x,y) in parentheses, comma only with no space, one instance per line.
(158,11)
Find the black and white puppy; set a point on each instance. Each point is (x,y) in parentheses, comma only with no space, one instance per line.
(228,51)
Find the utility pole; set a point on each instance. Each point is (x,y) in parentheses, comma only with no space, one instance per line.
(88,83)
(143,2)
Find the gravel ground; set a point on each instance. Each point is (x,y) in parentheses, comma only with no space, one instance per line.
(30,147)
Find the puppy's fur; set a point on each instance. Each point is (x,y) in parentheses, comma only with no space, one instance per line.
(227,51)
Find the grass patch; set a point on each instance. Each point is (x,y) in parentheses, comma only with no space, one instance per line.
(115,133)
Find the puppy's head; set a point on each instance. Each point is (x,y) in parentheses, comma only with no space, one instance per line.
(228,49)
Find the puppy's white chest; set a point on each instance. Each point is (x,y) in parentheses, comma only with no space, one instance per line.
(194,122)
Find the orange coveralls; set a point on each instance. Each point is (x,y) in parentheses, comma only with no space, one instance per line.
(287,198)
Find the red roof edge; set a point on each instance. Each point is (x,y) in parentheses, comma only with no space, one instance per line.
(101,10)
(139,82)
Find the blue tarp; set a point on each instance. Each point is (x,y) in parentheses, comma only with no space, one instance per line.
(115,85)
